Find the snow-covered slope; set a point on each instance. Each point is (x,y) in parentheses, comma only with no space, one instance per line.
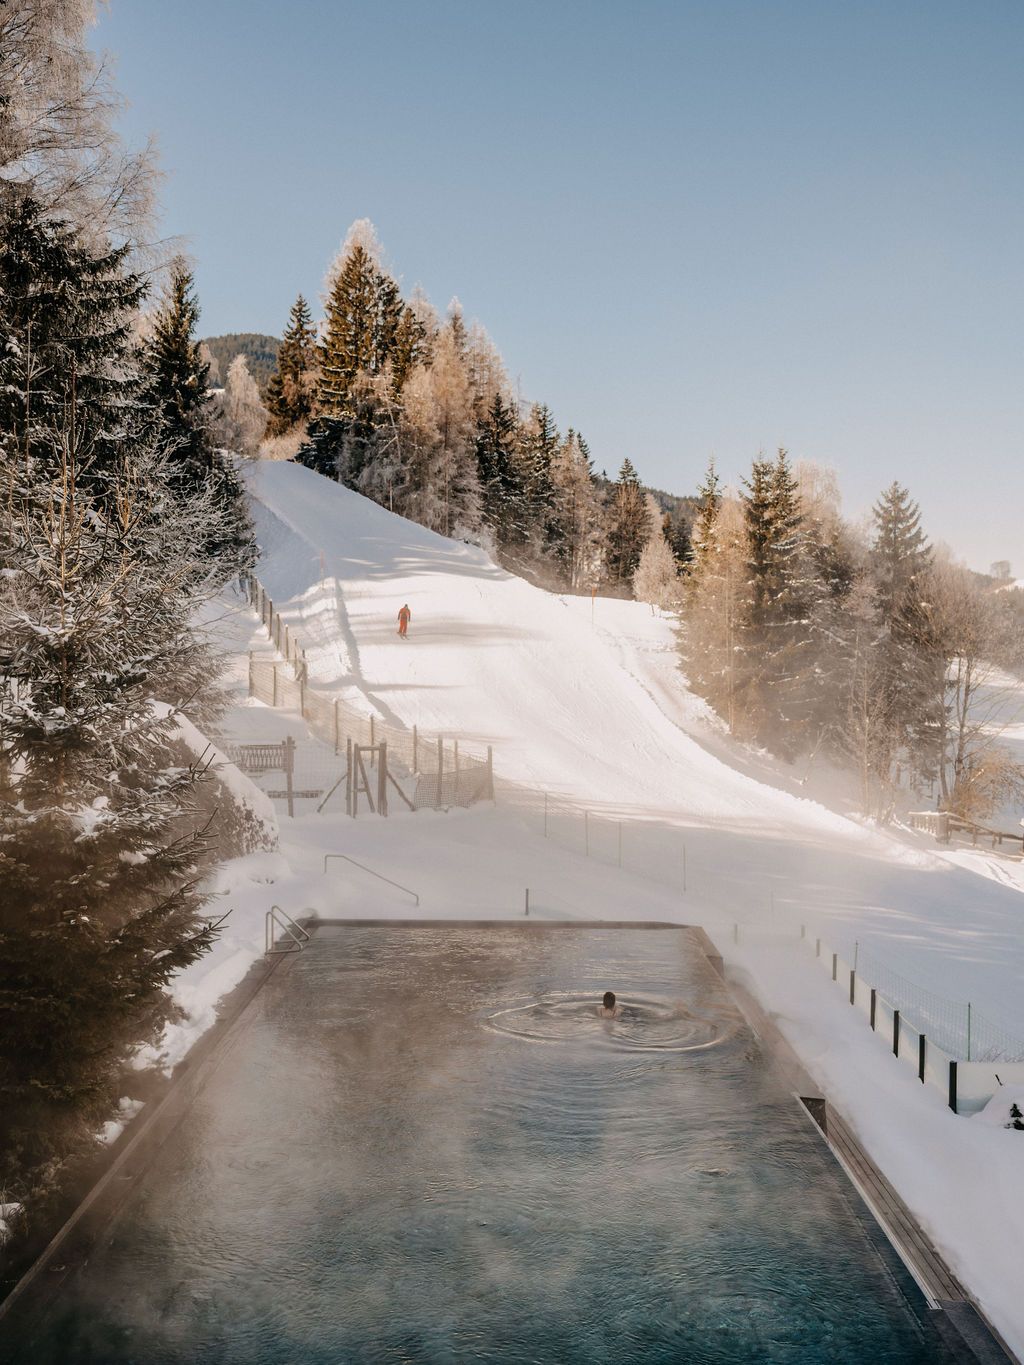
(597,710)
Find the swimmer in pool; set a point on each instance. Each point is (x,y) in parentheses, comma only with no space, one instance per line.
(608,1009)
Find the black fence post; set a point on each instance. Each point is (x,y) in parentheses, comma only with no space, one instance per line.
(895,1033)
(922,1044)
(952,1087)
(853,986)
(874,997)
(835,966)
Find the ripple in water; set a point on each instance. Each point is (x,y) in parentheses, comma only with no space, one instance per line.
(643,1024)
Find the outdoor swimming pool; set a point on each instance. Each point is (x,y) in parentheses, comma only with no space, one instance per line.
(424,1146)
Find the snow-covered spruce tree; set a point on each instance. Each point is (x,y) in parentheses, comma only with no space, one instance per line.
(98,856)
(176,390)
(64,309)
(291,392)
(657,578)
(910,666)
(629,525)
(577,521)
(364,309)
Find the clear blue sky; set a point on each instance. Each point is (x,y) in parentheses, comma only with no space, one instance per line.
(691,228)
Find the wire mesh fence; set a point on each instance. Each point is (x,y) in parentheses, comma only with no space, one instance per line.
(446,775)
(957,1027)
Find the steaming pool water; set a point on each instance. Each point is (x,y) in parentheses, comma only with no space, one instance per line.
(425,1146)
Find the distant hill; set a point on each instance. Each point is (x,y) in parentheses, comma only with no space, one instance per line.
(260,351)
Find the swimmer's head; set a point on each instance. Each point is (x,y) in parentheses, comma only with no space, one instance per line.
(609,1000)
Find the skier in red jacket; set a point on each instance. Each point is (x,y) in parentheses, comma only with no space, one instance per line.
(404,617)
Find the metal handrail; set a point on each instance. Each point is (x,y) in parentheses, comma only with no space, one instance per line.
(275,915)
(378,875)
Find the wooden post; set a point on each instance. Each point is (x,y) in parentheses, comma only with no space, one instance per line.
(382,778)
(874,997)
(952,1087)
(895,1033)
(922,1043)
(440,771)
(835,966)
(275,684)
(289,769)
(853,987)
(527,909)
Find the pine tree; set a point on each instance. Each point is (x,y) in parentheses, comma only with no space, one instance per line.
(910,667)
(66,311)
(777,645)
(176,388)
(677,533)
(291,391)
(538,449)
(628,525)
(501,480)
(364,311)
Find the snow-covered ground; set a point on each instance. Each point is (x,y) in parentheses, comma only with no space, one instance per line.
(586,703)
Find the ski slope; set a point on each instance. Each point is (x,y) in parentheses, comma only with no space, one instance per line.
(598,712)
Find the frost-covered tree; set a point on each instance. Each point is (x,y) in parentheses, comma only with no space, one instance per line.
(243,416)
(657,578)
(291,391)
(58,108)
(438,427)
(577,515)
(716,600)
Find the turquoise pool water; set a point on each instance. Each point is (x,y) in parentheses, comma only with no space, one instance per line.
(426,1147)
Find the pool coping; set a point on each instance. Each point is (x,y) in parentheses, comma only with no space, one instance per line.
(959,1317)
